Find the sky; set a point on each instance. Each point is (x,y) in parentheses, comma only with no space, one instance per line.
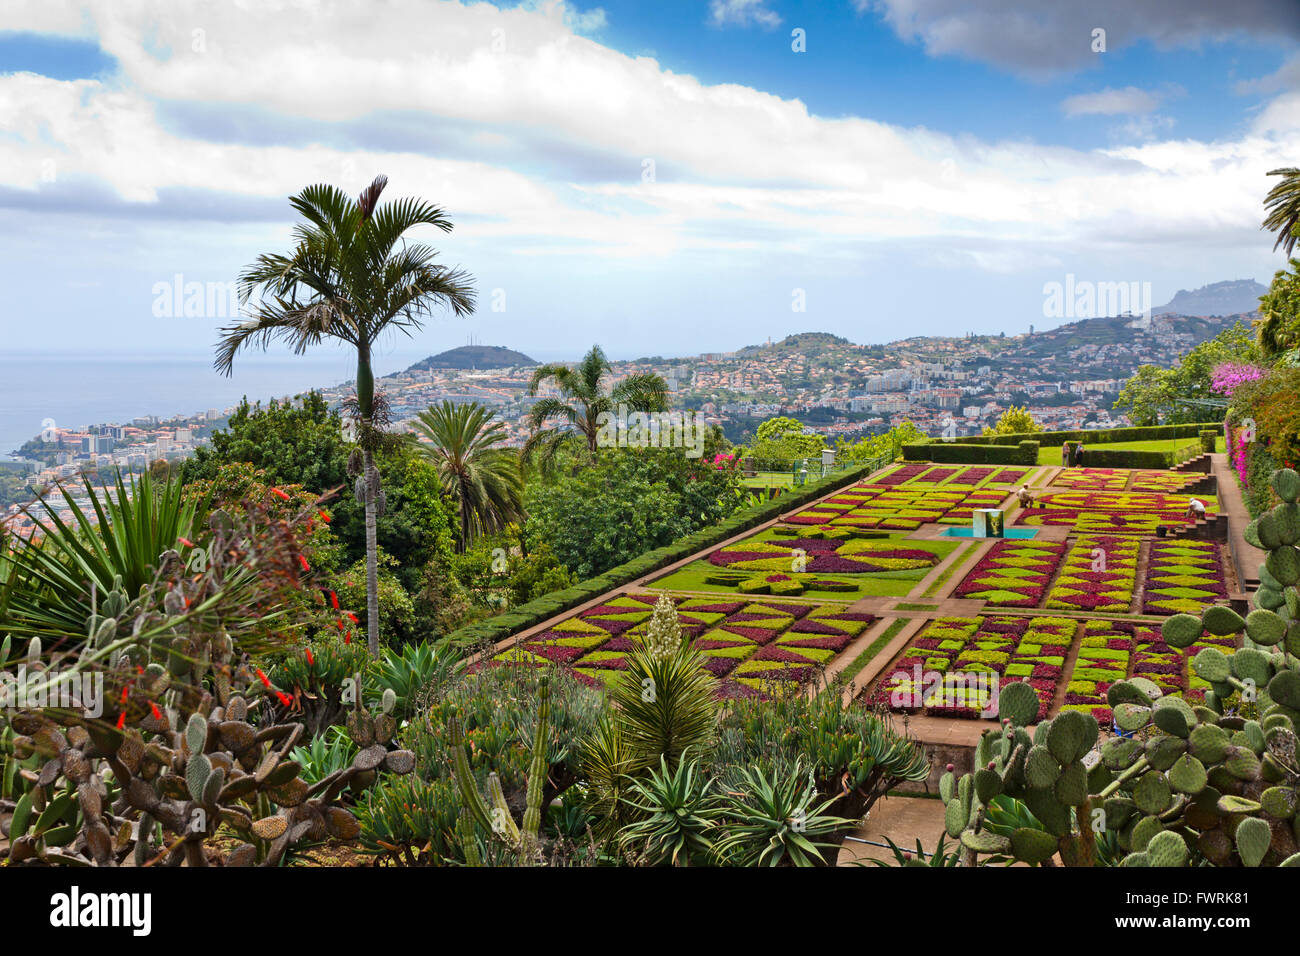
(663,179)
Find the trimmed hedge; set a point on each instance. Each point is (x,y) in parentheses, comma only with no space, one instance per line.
(1025,453)
(501,626)
(1100,436)
(1208,437)
(1095,456)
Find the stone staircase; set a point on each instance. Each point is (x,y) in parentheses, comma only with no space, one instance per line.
(1201,463)
(1213,528)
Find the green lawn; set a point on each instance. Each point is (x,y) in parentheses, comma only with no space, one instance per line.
(1051,454)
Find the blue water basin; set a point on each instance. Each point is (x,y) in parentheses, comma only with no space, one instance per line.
(970,533)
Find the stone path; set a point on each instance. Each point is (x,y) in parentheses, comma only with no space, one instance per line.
(1246,557)
(903,819)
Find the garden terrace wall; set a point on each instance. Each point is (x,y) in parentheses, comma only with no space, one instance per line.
(535,612)
(1024,453)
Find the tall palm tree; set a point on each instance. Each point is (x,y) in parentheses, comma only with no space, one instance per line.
(351,276)
(1283,205)
(581,402)
(481,479)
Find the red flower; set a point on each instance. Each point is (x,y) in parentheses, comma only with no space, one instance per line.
(279,494)
(157,714)
(121,720)
(302,559)
(186,541)
(347,638)
(334,600)
(311,661)
(285,699)
(323,516)
(266,681)
(352,616)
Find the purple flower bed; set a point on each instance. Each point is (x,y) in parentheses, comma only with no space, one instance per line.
(905,473)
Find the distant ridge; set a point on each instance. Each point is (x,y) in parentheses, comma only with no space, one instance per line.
(474,357)
(1232,297)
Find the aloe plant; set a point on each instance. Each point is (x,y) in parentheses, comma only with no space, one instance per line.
(53,578)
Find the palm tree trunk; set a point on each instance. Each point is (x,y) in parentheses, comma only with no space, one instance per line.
(372,563)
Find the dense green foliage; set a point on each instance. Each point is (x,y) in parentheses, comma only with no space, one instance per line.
(1182,394)
(625,505)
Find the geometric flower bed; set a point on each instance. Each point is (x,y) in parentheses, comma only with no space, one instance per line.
(1101,582)
(1009,476)
(822,556)
(1142,652)
(748,644)
(904,509)
(1091,479)
(1142,523)
(1013,573)
(902,474)
(1183,577)
(1125,501)
(1166,481)
(956,664)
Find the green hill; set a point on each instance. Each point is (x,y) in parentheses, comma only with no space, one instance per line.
(474,357)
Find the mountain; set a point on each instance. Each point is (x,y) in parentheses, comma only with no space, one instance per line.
(1219,298)
(474,357)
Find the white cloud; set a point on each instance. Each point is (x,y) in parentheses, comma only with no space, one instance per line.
(1111,102)
(735,167)
(742,13)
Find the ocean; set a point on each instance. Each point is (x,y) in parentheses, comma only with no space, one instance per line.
(80,389)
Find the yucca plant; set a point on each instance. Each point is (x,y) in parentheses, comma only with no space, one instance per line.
(333,750)
(678,812)
(54,577)
(776,819)
(665,702)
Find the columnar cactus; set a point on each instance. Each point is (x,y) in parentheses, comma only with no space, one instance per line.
(497,819)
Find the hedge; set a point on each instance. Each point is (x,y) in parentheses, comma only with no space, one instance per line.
(1100,436)
(503,625)
(1101,457)
(1025,453)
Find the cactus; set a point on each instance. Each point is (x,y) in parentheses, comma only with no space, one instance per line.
(498,821)
(176,754)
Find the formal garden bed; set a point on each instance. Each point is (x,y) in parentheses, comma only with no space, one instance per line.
(954,663)
(897,508)
(754,647)
(1013,573)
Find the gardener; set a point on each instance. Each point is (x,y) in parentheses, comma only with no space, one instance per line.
(1026,497)
(1195,510)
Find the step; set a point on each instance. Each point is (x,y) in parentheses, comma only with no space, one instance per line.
(1200,463)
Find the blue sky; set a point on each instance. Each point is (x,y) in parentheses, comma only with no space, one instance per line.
(922,166)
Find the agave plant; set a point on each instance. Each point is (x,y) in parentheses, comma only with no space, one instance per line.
(679,813)
(776,820)
(940,858)
(409,673)
(53,578)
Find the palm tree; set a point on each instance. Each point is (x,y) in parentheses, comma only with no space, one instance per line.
(350,277)
(581,402)
(481,479)
(1283,205)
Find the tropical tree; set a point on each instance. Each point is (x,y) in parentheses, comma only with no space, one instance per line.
(581,402)
(1278,328)
(481,479)
(351,276)
(1015,420)
(1283,205)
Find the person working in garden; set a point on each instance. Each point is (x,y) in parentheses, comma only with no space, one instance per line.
(1026,497)
(1195,509)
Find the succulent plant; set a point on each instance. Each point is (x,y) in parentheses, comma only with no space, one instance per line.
(497,819)
(177,754)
